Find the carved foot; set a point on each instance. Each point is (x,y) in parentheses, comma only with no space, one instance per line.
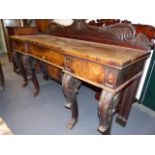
(35,93)
(68,105)
(35,83)
(103,130)
(70,87)
(105,110)
(71,123)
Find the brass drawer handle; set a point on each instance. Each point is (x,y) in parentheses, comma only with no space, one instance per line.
(43,57)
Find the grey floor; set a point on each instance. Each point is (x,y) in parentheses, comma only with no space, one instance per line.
(46,114)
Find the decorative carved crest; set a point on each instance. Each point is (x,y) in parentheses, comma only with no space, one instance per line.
(122,34)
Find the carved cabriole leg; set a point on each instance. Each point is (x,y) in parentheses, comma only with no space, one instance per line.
(45,76)
(70,87)
(1,78)
(107,105)
(16,62)
(22,69)
(18,66)
(32,75)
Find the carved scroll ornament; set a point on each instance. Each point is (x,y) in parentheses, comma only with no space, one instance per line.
(123,34)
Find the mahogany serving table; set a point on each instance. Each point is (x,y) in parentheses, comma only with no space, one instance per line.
(112,68)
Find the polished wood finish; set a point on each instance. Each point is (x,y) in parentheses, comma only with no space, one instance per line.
(128,96)
(22,30)
(18,30)
(42,24)
(148,30)
(17,58)
(120,34)
(113,64)
(99,67)
(1,78)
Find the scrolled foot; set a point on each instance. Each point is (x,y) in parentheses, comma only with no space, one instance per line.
(36,93)
(68,105)
(70,87)
(101,128)
(104,130)
(71,123)
(105,111)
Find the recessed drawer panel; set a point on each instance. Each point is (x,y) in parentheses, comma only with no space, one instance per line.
(18,45)
(53,72)
(46,54)
(85,69)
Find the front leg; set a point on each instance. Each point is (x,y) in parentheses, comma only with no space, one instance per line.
(70,86)
(16,62)
(105,111)
(32,75)
(22,69)
(43,68)
(1,78)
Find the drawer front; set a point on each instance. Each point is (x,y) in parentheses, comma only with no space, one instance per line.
(53,72)
(85,69)
(46,54)
(25,30)
(19,46)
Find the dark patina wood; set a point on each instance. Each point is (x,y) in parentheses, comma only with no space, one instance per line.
(121,34)
(128,96)
(1,78)
(70,87)
(113,64)
(148,30)
(18,59)
(107,106)
(16,30)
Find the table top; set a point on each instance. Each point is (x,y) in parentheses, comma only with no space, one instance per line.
(113,55)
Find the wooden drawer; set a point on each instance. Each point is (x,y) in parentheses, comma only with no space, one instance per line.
(85,69)
(53,72)
(19,46)
(50,56)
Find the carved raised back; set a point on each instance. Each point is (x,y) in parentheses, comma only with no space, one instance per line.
(122,34)
(104,22)
(148,30)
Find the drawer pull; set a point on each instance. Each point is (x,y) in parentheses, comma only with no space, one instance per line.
(43,57)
